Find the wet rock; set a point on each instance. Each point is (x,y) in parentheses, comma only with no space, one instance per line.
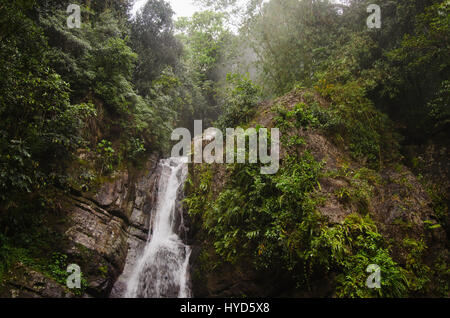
(138,228)
(100,230)
(28,283)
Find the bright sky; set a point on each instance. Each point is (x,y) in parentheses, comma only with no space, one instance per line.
(182,8)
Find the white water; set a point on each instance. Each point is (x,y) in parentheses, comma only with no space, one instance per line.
(162,271)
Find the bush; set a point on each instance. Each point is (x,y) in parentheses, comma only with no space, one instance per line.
(239,103)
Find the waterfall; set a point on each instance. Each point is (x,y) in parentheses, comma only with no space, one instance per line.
(162,270)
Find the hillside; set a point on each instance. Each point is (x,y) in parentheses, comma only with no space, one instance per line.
(312,229)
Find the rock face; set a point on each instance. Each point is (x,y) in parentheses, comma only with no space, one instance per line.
(27,283)
(101,229)
(140,219)
(108,225)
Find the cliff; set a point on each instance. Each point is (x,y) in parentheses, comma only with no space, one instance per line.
(96,230)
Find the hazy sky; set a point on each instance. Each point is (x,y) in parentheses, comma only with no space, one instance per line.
(182,8)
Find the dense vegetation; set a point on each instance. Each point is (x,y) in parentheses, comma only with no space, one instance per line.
(273,223)
(100,90)
(78,104)
(377,91)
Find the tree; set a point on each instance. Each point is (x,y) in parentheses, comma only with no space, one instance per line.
(207,51)
(153,39)
(291,38)
(39,125)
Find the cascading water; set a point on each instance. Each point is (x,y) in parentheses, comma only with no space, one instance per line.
(162,271)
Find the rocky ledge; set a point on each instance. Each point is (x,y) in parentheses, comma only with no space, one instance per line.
(100,230)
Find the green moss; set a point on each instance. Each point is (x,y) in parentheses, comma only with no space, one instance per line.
(439,204)
(104,270)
